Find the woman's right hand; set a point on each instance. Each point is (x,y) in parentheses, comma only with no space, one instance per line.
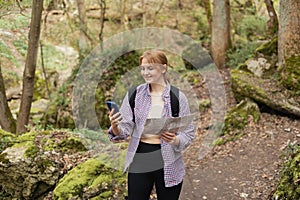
(115,120)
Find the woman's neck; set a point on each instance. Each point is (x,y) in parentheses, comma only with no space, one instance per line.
(157,88)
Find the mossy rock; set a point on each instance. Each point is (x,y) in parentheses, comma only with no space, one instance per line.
(34,162)
(237,118)
(290,76)
(41,141)
(269,48)
(266,92)
(90,180)
(289,185)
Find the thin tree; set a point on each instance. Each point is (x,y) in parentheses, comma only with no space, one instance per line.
(272,24)
(30,65)
(7,121)
(124,16)
(221,40)
(102,4)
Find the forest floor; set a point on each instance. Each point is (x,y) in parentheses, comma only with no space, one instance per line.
(247,168)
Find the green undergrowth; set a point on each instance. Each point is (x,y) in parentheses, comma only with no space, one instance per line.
(289,184)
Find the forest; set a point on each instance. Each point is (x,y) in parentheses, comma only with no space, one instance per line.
(237,61)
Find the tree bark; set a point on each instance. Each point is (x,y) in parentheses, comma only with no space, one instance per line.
(124,18)
(30,65)
(289,30)
(272,24)
(221,40)
(102,20)
(7,122)
(144,13)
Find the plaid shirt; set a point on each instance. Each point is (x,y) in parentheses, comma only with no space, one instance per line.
(174,170)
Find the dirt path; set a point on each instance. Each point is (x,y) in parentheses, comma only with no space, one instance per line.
(248,168)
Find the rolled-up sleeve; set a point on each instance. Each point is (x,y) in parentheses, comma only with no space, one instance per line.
(187,136)
(126,126)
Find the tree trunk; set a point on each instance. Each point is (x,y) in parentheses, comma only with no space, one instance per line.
(272,24)
(221,41)
(30,65)
(124,19)
(7,121)
(289,30)
(144,13)
(103,10)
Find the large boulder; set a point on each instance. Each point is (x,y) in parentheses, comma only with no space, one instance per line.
(34,162)
(91,180)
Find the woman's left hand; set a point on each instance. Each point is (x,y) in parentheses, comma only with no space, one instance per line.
(170,137)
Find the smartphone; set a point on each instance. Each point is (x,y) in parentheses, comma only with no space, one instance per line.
(111,105)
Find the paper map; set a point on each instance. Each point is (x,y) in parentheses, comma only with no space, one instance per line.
(159,125)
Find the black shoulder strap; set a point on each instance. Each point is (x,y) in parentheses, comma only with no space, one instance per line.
(174,94)
(131,96)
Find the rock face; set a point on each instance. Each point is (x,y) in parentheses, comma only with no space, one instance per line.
(258,66)
(27,178)
(35,162)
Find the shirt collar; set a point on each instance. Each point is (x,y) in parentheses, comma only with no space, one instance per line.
(166,92)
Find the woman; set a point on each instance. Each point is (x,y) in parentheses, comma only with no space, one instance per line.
(152,159)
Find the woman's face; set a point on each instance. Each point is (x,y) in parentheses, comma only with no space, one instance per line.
(153,73)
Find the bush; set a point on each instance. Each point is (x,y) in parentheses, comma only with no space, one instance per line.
(241,53)
(252,27)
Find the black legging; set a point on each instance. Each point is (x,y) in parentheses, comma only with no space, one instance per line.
(146,171)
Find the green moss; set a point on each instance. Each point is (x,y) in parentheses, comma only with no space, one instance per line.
(218,142)
(72,143)
(31,149)
(204,104)
(88,176)
(268,48)
(29,136)
(242,79)
(290,75)
(47,141)
(40,88)
(237,118)
(106,194)
(6,139)
(289,185)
